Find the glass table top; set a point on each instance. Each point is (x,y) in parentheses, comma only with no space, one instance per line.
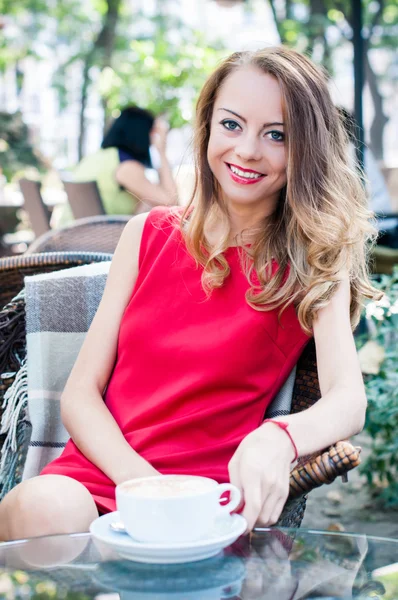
(277,564)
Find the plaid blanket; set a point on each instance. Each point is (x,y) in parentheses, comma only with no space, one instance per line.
(59,309)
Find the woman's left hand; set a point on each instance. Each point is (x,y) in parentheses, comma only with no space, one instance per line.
(260,468)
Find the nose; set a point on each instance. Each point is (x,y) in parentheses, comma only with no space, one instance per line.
(248,147)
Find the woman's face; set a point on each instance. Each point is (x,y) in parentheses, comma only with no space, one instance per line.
(246,151)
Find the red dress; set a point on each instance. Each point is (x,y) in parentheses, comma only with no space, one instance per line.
(194,374)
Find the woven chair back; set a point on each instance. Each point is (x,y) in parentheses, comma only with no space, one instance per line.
(95,234)
(14,269)
(84,199)
(39,215)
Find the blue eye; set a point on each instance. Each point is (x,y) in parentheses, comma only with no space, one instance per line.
(277,136)
(230,124)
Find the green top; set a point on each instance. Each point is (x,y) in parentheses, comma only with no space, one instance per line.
(101,167)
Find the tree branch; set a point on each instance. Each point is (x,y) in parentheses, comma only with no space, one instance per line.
(276,20)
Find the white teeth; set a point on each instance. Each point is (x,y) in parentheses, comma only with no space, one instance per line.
(244,174)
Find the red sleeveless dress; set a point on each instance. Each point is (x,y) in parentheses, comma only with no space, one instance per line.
(194,374)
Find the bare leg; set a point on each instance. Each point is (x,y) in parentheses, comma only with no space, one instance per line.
(46,505)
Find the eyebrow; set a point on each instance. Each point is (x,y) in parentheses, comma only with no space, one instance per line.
(244,120)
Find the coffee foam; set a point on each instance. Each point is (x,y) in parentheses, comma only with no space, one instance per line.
(168,487)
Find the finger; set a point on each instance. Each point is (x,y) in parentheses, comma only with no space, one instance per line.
(233,471)
(279,549)
(272,509)
(253,504)
(273,503)
(234,478)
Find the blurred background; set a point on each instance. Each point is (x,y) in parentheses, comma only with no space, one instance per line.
(67,68)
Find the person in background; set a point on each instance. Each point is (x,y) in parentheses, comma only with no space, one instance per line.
(122,166)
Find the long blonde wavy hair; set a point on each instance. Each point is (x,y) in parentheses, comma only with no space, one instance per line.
(321,226)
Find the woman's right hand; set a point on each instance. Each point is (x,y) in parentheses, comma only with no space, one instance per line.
(159,133)
(139,467)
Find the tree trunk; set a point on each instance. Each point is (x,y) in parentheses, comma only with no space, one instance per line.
(316,28)
(277,21)
(314,33)
(101,54)
(83,103)
(289,9)
(380,119)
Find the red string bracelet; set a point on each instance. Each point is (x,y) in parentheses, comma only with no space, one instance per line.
(285,428)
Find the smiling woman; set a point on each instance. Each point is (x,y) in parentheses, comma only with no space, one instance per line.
(248,148)
(266,118)
(206,311)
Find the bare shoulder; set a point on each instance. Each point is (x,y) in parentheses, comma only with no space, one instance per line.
(135,227)
(130,240)
(125,262)
(129,168)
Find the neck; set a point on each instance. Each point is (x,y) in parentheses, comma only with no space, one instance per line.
(246,220)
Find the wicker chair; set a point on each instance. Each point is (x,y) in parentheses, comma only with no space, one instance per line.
(310,472)
(95,234)
(14,269)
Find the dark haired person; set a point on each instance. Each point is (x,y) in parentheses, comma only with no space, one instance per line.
(120,167)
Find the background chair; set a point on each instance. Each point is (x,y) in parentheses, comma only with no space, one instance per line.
(94,234)
(38,212)
(84,198)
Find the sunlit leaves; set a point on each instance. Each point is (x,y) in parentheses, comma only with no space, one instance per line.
(335,16)
(16,151)
(390,14)
(381,467)
(163,72)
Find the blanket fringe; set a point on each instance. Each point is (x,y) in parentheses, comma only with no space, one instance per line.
(15,400)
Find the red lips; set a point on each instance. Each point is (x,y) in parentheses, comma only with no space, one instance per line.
(244,180)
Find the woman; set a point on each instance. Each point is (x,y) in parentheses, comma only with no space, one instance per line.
(205,313)
(121,166)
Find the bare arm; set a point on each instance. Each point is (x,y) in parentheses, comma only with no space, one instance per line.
(340,413)
(166,178)
(84,413)
(131,174)
(159,141)
(262,462)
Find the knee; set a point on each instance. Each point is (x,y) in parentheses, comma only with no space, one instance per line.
(48,505)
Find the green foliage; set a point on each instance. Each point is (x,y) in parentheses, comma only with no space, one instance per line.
(16,42)
(318,27)
(381,468)
(159,63)
(162,71)
(20,585)
(16,152)
(311,18)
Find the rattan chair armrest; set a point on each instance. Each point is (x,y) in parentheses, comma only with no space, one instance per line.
(315,470)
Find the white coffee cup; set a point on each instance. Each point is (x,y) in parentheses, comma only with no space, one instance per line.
(173,508)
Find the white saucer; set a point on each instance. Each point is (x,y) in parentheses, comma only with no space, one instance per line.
(226,531)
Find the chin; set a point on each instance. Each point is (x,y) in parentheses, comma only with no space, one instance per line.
(242,197)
